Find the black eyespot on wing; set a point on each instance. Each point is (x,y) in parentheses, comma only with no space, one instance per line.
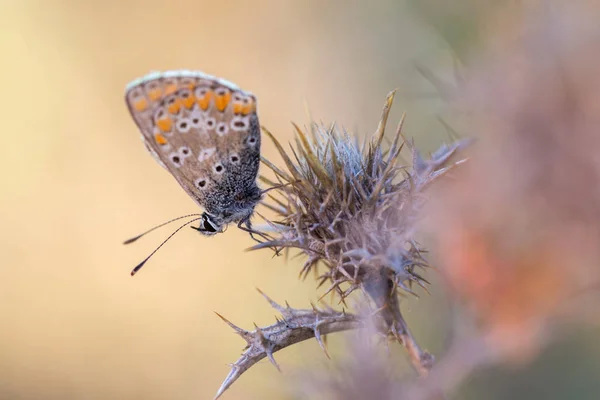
(200,183)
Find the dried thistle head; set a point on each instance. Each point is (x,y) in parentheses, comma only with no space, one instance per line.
(352,208)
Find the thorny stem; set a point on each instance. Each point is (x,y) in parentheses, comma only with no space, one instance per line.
(296,325)
(382,292)
(421,360)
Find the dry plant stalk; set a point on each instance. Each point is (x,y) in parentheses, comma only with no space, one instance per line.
(351,208)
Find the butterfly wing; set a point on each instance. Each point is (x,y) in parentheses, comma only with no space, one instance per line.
(203,130)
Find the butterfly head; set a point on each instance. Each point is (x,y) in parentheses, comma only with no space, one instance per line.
(240,210)
(209,225)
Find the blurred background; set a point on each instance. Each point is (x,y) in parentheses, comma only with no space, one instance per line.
(78,181)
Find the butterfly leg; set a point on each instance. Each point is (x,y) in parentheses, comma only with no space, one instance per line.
(252,232)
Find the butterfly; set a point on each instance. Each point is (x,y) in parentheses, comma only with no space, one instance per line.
(205,132)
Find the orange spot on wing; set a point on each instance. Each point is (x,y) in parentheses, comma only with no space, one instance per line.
(164,124)
(222,101)
(248,108)
(160,139)
(154,94)
(175,107)
(204,102)
(189,101)
(238,108)
(141,105)
(170,89)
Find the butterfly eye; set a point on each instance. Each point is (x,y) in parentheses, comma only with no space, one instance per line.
(208,225)
(219,169)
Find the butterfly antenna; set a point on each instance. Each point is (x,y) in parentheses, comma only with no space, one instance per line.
(140,265)
(133,239)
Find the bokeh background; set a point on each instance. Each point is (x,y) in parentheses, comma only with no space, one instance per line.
(77,181)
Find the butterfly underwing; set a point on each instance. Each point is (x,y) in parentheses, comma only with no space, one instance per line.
(205,132)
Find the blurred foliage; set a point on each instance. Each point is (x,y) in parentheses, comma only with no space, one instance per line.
(566,370)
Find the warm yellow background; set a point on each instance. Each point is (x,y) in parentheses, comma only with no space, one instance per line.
(76,181)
